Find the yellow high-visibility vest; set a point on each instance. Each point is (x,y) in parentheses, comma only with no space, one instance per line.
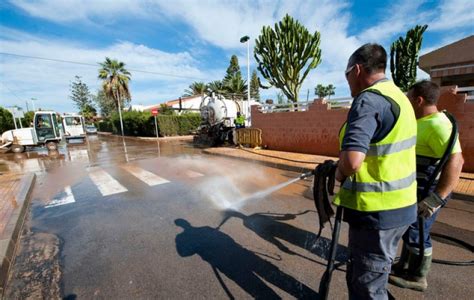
(387,178)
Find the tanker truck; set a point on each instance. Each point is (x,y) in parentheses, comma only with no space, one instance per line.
(217,119)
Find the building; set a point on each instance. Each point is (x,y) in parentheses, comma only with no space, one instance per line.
(191,103)
(451,65)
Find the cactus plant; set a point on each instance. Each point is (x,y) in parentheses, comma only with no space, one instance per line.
(404,57)
(284,52)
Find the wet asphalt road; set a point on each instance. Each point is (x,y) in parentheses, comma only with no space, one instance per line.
(129,219)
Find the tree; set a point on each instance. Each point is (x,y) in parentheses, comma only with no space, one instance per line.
(286,54)
(404,57)
(195,89)
(88,112)
(115,83)
(236,87)
(6,120)
(28,119)
(323,91)
(255,86)
(233,70)
(80,93)
(106,105)
(216,87)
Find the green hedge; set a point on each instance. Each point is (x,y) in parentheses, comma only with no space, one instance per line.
(6,120)
(143,124)
(104,126)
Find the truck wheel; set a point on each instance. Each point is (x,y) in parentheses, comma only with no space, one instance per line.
(17,148)
(52,146)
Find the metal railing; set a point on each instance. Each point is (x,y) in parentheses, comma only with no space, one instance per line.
(303,106)
(468,90)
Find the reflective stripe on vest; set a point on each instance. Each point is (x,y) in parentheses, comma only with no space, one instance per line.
(378,150)
(387,177)
(380,186)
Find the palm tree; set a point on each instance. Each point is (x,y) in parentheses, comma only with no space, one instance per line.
(236,87)
(115,82)
(195,89)
(216,87)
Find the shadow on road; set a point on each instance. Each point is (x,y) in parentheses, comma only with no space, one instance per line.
(240,265)
(270,228)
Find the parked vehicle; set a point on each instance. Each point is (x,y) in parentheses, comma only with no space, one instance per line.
(217,120)
(45,133)
(73,126)
(90,129)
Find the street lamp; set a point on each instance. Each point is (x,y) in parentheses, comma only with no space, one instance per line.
(246,39)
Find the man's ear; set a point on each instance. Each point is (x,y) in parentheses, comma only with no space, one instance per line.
(420,101)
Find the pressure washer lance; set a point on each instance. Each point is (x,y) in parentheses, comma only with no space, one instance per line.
(307,174)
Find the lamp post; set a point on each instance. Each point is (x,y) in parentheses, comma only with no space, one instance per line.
(246,39)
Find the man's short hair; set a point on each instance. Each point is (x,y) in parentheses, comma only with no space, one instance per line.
(426,89)
(372,57)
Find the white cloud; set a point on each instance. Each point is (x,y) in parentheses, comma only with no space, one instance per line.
(79,10)
(453,14)
(49,81)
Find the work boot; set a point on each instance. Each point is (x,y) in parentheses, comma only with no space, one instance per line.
(415,277)
(401,266)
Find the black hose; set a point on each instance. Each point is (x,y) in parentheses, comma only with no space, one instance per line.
(462,243)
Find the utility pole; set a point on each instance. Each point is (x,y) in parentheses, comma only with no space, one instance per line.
(27,108)
(33,102)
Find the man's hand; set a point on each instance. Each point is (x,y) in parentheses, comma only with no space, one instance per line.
(430,205)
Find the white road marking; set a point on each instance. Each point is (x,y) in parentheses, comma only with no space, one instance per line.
(67,199)
(144,175)
(106,184)
(193,174)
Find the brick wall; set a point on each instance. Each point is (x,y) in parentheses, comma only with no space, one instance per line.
(316,130)
(464,113)
(312,131)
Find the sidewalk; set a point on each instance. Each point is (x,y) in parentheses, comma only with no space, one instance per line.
(14,190)
(299,162)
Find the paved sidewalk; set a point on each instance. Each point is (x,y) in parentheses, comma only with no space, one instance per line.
(14,190)
(305,162)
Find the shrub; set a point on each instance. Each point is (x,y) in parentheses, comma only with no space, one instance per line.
(178,125)
(6,120)
(142,124)
(104,126)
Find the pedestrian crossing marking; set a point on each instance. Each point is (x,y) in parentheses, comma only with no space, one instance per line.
(66,199)
(144,175)
(193,174)
(106,184)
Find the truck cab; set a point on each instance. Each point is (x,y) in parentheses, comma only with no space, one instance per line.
(73,126)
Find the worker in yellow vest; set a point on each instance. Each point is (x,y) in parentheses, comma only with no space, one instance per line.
(377,171)
(434,133)
(239,121)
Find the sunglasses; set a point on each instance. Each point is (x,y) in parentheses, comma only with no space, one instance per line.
(349,70)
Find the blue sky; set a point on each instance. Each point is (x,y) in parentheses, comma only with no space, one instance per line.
(193,40)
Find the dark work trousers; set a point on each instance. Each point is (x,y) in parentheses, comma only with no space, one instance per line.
(371,254)
(412,235)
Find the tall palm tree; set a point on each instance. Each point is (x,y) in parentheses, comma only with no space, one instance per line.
(115,82)
(195,89)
